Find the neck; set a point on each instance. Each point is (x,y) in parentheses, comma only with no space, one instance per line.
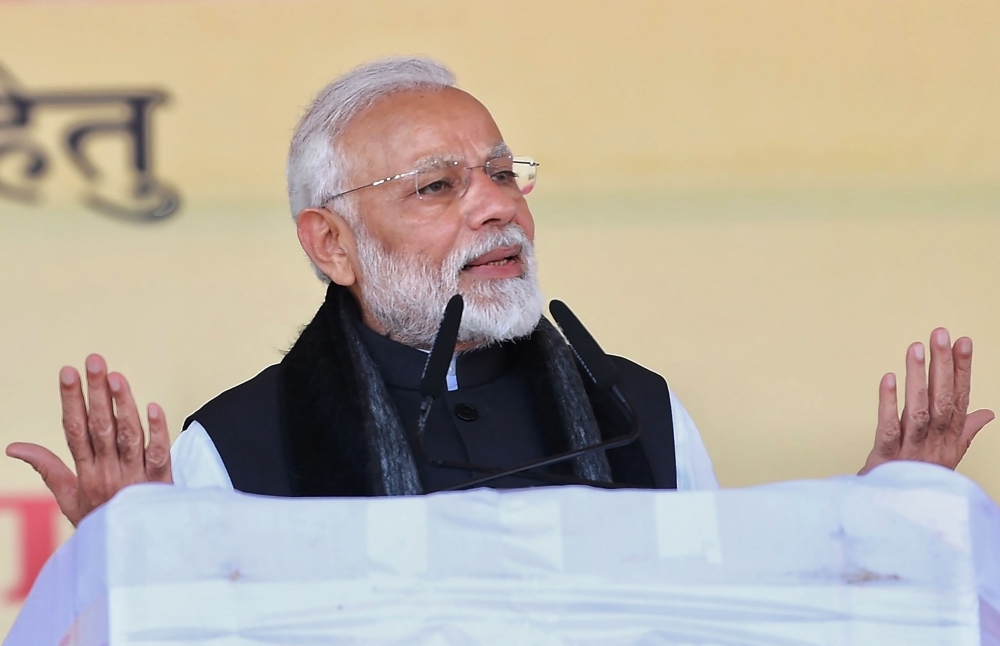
(377,326)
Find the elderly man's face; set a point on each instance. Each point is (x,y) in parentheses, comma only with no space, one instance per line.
(471,241)
(400,131)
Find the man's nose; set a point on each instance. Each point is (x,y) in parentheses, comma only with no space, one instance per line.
(486,203)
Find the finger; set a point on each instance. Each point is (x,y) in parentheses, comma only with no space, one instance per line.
(55,474)
(158,451)
(915,413)
(74,418)
(941,381)
(128,425)
(961,356)
(887,434)
(101,424)
(974,423)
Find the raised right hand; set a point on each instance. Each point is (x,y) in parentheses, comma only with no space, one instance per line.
(107,442)
(936,425)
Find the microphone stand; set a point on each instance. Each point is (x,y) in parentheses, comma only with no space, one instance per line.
(597,365)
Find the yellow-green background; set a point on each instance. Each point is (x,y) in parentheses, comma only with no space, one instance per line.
(763,201)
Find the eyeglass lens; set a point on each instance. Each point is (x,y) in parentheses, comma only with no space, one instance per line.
(447,181)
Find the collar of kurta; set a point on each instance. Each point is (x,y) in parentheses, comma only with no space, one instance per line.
(402,366)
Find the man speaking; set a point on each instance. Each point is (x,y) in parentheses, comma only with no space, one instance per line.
(404,194)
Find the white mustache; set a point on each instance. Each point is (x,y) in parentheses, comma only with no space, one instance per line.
(510,236)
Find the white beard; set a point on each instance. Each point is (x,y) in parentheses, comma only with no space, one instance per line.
(407,296)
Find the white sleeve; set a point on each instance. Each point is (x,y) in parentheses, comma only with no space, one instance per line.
(195,462)
(694,467)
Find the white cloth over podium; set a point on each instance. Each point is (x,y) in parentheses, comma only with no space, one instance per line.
(909,554)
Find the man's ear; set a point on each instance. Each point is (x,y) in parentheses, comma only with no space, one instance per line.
(329,243)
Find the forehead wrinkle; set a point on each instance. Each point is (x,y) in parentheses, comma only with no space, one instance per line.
(437,121)
(495,152)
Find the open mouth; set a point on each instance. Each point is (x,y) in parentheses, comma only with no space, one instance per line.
(502,257)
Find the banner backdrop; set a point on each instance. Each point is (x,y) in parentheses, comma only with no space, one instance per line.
(764,202)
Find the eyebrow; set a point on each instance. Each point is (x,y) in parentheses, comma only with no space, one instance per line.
(498,150)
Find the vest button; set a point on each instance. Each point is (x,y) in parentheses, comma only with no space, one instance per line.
(466,412)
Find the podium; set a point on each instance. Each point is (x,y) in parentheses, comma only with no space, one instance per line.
(909,554)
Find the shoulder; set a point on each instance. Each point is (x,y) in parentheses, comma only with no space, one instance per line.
(244,400)
(635,376)
(650,400)
(655,401)
(245,424)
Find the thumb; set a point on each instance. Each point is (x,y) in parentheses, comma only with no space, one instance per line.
(55,474)
(974,422)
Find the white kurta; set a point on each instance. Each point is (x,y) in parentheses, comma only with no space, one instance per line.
(196,462)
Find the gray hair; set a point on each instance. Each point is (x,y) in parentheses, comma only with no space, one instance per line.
(316,166)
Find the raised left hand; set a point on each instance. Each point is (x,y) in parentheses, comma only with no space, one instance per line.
(106,439)
(935,425)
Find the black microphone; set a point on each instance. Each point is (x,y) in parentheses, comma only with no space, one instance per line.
(433,382)
(594,360)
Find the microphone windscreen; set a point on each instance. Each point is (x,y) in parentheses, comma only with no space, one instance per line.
(432,383)
(602,370)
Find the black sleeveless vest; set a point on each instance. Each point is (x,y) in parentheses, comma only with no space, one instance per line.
(246,425)
(294,429)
